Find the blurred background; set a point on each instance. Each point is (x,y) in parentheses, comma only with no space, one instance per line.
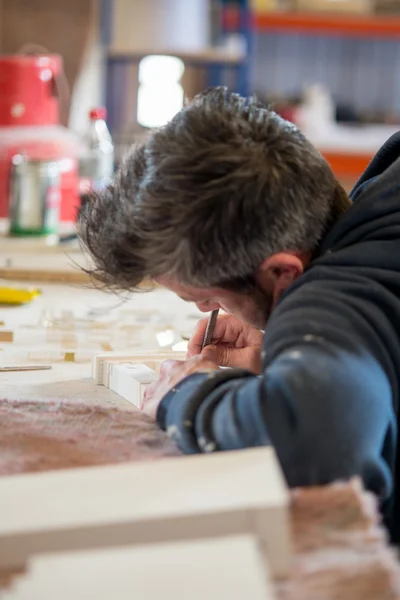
(84,79)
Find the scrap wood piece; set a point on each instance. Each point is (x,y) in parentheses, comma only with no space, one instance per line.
(6,336)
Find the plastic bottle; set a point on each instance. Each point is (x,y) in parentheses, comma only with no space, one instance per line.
(97,164)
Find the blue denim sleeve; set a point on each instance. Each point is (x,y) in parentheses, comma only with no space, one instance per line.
(328,414)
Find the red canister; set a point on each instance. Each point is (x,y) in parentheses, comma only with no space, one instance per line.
(28,90)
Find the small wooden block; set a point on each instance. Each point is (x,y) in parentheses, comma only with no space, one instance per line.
(150,362)
(69,357)
(99,372)
(213,569)
(130,381)
(201,496)
(106,346)
(6,336)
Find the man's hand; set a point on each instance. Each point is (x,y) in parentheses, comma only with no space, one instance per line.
(234,344)
(171,373)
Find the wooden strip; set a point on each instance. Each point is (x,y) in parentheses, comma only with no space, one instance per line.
(55,276)
(202,496)
(44,276)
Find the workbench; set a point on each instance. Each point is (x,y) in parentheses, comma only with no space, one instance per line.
(59,418)
(72,379)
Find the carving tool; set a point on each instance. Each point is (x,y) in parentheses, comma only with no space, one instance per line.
(210,328)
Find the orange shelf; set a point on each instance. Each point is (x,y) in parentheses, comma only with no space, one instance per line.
(347,165)
(329,24)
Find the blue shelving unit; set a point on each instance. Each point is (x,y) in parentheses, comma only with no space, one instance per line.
(235,19)
(223,72)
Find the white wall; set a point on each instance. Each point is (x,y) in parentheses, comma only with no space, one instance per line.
(89,87)
(158,25)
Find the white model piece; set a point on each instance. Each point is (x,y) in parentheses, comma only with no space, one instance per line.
(102,362)
(181,498)
(219,568)
(130,381)
(129,373)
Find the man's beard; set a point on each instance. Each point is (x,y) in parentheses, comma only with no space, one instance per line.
(264,305)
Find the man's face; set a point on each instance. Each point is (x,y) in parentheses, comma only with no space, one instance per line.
(254,307)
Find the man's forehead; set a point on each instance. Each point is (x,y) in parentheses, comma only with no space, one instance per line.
(187,292)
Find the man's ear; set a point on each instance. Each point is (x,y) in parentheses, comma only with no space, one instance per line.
(280,270)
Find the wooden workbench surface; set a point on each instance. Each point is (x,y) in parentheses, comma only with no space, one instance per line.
(149,312)
(60,418)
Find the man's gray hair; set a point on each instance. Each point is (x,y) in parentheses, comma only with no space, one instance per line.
(208,197)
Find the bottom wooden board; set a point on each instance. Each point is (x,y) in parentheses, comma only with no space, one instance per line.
(225,493)
(213,569)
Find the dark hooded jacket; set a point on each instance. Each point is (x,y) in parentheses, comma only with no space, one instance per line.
(328,396)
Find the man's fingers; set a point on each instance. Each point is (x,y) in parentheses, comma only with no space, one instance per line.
(225,356)
(212,353)
(227,330)
(222,355)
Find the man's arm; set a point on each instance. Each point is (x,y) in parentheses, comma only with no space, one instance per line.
(323,400)
(327,413)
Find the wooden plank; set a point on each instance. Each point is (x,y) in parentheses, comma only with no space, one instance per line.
(45,276)
(201,496)
(231,568)
(55,264)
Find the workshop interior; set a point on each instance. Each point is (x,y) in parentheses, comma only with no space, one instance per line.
(97,500)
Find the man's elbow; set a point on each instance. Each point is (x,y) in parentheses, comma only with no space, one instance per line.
(318,463)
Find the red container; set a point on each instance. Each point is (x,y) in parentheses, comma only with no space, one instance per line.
(28,87)
(29,125)
(53,142)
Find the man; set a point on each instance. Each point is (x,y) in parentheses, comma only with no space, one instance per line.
(231,207)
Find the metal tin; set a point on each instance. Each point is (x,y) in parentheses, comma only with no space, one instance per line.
(35,196)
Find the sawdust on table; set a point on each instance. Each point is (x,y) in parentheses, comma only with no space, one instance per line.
(37,436)
(340,549)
